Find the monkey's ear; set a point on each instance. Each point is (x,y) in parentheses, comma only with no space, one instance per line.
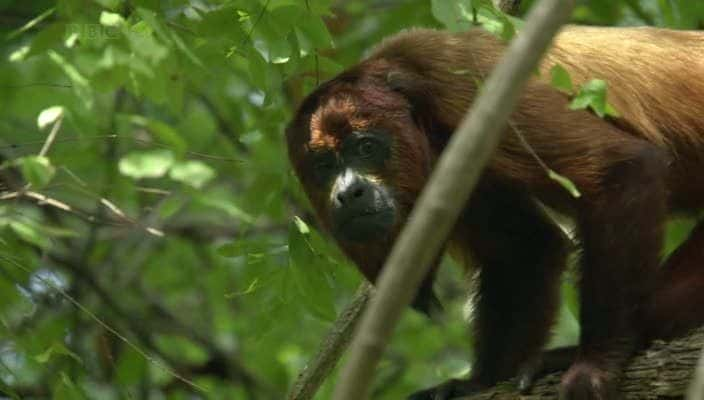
(420,95)
(409,84)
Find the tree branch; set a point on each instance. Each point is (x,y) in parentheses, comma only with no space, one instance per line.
(696,388)
(334,345)
(664,370)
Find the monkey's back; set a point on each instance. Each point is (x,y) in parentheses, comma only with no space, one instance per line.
(655,77)
(656,83)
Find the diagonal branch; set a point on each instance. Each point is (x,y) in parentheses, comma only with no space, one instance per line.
(334,345)
(663,371)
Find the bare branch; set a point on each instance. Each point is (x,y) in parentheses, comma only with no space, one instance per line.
(696,388)
(662,371)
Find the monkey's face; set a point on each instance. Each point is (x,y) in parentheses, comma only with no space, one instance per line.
(362,162)
(360,205)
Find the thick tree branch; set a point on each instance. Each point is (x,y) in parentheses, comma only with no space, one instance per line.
(449,188)
(663,371)
(696,388)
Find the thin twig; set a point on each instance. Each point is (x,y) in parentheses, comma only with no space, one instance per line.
(52,136)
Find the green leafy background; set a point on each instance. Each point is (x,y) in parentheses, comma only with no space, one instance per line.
(154,243)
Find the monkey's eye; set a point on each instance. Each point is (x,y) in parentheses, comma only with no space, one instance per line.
(324,163)
(366,148)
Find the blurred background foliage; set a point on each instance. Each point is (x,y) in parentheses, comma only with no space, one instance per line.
(148,248)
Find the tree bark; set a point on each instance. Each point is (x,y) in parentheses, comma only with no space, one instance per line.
(663,371)
(332,348)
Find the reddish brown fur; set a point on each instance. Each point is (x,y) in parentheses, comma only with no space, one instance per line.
(631,170)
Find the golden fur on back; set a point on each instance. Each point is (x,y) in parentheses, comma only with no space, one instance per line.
(661,95)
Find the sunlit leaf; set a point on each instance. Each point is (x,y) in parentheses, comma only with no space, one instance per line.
(36,170)
(193,173)
(593,95)
(49,115)
(148,164)
(81,85)
(561,79)
(56,349)
(111,19)
(30,233)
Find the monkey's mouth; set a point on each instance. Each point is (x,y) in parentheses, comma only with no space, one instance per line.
(366,226)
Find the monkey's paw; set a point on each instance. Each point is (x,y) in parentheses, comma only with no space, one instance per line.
(449,390)
(586,381)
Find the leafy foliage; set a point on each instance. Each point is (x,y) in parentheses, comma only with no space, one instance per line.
(153,242)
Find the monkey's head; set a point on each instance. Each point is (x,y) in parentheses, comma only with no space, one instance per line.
(362,160)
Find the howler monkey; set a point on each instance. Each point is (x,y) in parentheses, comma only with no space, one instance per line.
(363,145)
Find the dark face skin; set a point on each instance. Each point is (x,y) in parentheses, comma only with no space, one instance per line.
(361,208)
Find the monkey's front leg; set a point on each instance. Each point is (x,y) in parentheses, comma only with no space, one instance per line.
(621,230)
(522,255)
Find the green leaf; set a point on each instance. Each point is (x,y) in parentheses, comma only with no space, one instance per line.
(677,231)
(253,286)
(312,34)
(56,349)
(561,79)
(112,20)
(66,389)
(320,7)
(181,348)
(303,228)
(20,54)
(193,173)
(49,115)
(130,368)
(307,268)
(166,134)
(109,4)
(7,390)
(271,43)
(143,43)
(36,170)
(565,183)
(148,164)
(228,207)
(447,13)
(593,95)
(181,45)
(81,85)
(30,233)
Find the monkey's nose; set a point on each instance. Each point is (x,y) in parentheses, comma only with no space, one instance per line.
(354,194)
